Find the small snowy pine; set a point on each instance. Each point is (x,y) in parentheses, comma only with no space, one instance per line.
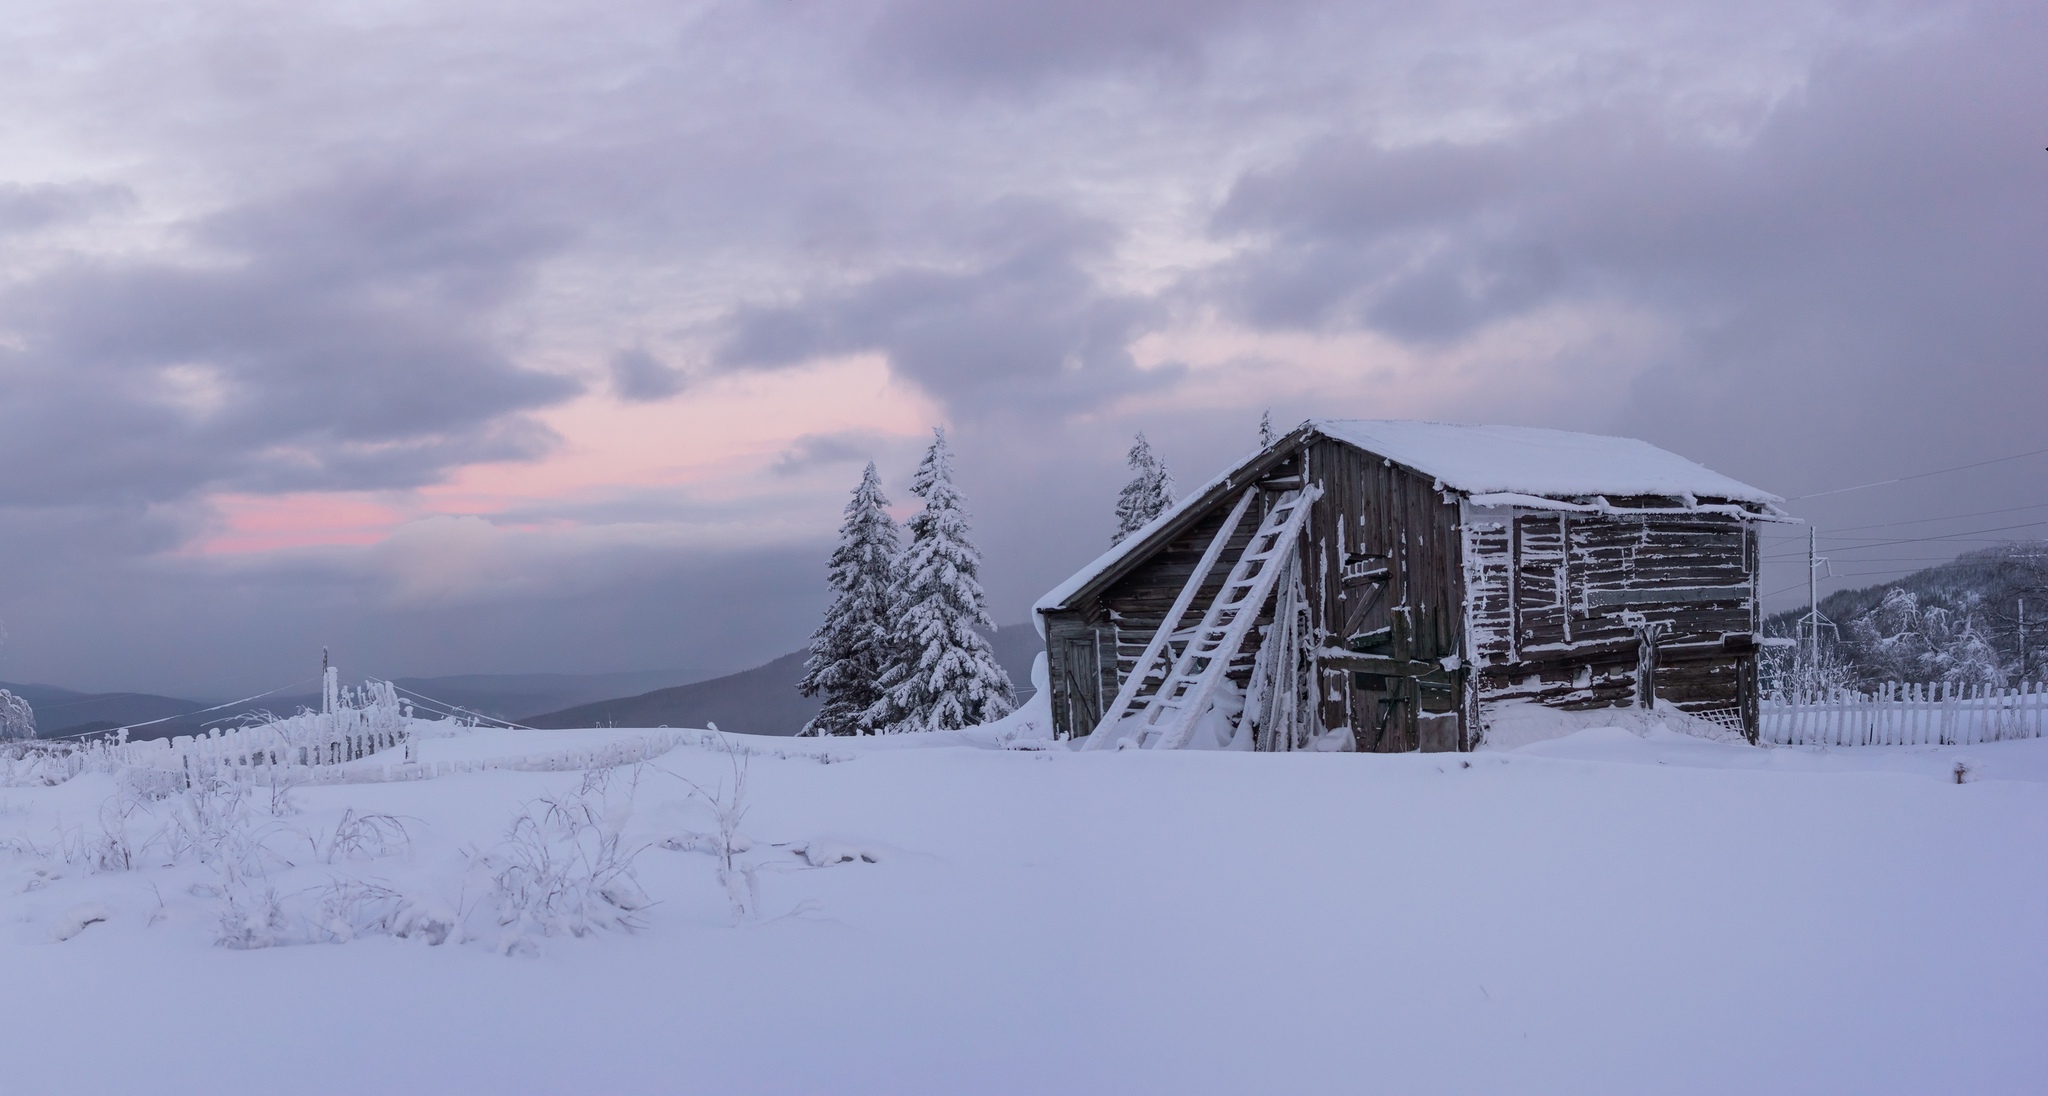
(1149,493)
(849,651)
(942,673)
(1266,429)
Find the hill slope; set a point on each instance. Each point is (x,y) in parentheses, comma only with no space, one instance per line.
(1959,620)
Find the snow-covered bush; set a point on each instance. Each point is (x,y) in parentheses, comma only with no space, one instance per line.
(17,719)
(26,764)
(563,867)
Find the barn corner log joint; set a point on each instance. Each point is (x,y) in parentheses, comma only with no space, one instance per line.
(1432,570)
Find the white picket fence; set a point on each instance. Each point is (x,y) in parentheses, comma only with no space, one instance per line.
(1909,715)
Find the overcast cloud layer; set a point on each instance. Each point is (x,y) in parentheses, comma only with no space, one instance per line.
(486,337)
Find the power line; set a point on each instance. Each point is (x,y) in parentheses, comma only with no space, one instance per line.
(186,715)
(443,705)
(1944,536)
(1852,574)
(1879,559)
(1945,517)
(1919,475)
(1955,538)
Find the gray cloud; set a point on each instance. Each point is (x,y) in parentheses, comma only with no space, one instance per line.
(640,377)
(1017,321)
(1878,223)
(344,346)
(1828,214)
(845,447)
(26,208)
(991,43)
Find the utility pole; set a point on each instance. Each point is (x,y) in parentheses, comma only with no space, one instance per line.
(1812,601)
(2023,639)
(328,685)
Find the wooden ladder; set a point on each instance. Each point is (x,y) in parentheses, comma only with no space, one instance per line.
(1167,718)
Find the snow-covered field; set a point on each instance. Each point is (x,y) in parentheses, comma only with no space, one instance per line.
(1618,910)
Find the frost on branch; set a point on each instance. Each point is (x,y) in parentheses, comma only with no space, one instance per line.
(942,672)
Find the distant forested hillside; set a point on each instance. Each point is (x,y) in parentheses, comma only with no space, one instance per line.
(1961,622)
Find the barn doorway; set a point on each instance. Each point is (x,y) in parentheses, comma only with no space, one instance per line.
(1081,673)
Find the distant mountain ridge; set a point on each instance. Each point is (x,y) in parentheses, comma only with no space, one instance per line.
(762,700)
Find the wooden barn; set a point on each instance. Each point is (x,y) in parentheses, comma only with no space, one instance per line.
(1376,585)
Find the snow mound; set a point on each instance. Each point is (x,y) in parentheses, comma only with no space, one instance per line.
(1029,727)
(74,920)
(1513,725)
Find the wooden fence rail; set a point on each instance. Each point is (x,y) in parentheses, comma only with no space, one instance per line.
(366,721)
(1907,714)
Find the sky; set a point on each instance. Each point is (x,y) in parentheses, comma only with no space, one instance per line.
(506,337)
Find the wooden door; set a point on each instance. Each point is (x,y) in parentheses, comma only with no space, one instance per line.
(1081,667)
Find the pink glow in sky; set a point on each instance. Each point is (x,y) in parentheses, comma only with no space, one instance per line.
(715,443)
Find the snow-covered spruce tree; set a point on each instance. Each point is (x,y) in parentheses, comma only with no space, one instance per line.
(1266,428)
(849,652)
(1148,494)
(942,673)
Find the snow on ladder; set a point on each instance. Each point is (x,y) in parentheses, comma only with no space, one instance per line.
(1167,719)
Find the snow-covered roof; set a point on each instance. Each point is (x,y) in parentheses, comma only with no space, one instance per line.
(1514,465)
(1529,460)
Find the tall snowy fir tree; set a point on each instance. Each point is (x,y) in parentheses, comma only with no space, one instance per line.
(849,652)
(942,673)
(1149,493)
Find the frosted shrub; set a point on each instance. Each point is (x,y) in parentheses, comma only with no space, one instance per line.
(563,868)
(115,847)
(252,917)
(738,878)
(149,785)
(363,837)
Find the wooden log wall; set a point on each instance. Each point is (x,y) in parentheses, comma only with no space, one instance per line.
(1373,509)
(1558,602)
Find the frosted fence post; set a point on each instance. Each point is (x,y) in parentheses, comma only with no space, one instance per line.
(1943,729)
(1925,709)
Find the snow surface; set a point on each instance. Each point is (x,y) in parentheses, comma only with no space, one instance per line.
(1618,910)
(1534,461)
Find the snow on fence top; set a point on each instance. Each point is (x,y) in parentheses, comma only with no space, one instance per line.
(1517,465)
(1530,460)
